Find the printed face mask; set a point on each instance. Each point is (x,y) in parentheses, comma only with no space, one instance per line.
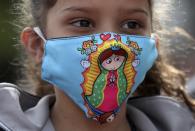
(99,71)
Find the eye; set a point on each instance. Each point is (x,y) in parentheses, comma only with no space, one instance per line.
(108,61)
(117,58)
(131,24)
(82,23)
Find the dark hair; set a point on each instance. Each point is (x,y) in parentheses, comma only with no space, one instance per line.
(162,78)
(109,52)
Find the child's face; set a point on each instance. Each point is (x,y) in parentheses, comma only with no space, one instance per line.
(113,62)
(79,17)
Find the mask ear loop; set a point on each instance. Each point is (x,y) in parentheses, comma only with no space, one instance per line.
(38,31)
(156,38)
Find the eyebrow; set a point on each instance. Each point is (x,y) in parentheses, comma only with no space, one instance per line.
(137,10)
(90,9)
(80,9)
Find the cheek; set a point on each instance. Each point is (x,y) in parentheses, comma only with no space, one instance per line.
(108,66)
(105,65)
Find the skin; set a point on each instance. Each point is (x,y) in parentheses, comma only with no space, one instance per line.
(113,62)
(76,17)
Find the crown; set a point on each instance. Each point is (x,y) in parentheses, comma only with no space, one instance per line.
(115,47)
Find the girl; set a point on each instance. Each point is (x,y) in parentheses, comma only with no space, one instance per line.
(52,46)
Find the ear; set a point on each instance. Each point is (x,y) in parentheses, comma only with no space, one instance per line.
(32,43)
(157,39)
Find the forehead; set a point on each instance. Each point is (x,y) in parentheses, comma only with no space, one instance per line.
(103,5)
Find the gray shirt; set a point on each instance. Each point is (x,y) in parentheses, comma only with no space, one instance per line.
(14,118)
(20,111)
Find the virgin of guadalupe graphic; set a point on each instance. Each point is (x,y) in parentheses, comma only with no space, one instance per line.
(108,80)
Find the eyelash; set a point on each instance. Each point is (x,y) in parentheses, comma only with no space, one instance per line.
(75,22)
(124,26)
(133,22)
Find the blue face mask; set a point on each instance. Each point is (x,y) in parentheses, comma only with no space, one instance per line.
(99,71)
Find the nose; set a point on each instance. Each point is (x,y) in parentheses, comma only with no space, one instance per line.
(108,25)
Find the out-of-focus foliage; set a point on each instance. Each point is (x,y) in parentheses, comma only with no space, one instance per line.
(7,42)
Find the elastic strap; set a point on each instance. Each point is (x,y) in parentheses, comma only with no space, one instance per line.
(39,33)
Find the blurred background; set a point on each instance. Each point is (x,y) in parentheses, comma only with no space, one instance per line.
(181,24)
(7,41)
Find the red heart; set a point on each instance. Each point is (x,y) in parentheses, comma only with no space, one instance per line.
(105,37)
